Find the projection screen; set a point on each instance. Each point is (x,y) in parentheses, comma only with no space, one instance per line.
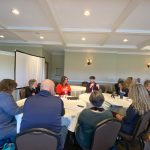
(28,67)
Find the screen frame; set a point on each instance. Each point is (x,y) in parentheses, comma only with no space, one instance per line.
(15,63)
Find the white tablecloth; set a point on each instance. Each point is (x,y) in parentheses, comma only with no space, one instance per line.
(72,111)
(77,90)
(125,102)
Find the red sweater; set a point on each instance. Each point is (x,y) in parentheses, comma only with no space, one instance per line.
(63,90)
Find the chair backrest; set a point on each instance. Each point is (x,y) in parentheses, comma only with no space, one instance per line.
(142,124)
(22,93)
(102,88)
(37,139)
(105,134)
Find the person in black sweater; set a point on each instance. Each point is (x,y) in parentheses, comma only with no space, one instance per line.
(92,86)
(32,89)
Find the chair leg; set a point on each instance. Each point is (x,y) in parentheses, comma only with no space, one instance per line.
(141,143)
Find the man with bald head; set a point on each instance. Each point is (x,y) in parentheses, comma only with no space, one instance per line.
(44,110)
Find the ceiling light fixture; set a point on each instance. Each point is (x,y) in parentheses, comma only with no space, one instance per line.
(15,11)
(2,36)
(83,39)
(42,37)
(125,40)
(87,13)
(146,48)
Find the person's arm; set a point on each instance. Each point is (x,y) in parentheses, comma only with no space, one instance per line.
(10,107)
(69,90)
(62,108)
(58,89)
(27,92)
(88,90)
(130,115)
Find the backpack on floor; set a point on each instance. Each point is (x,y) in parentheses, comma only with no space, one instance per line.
(9,146)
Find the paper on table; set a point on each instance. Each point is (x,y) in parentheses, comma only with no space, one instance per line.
(74,108)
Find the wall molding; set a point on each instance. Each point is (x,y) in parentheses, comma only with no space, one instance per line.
(7,53)
(106,52)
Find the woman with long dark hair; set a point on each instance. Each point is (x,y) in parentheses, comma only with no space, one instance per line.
(63,88)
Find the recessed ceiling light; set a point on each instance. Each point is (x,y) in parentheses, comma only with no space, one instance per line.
(87,13)
(125,40)
(15,11)
(41,37)
(146,48)
(2,36)
(83,39)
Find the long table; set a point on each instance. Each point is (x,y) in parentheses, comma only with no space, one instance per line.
(77,90)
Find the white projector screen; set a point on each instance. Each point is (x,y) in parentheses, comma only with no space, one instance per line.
(28,67)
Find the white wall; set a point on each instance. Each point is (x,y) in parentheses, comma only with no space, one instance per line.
(106,67)
(57,62)
(6,65)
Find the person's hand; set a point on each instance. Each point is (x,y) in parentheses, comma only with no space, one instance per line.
(119,117)
(97,85)
(91,85)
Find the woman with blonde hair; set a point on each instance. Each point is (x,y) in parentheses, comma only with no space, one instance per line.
(140,105)
(129,81)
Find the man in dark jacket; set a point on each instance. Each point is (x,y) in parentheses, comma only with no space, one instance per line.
(44,110)
(92,86)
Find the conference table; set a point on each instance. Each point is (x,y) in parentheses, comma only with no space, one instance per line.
(72,111)
(74,107)
(77,90)
(110,103)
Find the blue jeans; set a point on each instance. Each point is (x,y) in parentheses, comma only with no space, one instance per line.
(63,134)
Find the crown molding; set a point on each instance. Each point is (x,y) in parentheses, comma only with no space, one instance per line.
(2,52)
(103,46)
(24,28)
(106,52)
(87,30)
(133,31)
(30,42)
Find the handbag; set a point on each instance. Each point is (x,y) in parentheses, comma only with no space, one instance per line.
(9,146)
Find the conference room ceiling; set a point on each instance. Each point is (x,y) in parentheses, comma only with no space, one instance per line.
(121,26)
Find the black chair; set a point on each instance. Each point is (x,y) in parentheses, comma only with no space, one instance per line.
(140,129)
(105,134)
(22,93)
(37,139)
(102,88)
(84,83)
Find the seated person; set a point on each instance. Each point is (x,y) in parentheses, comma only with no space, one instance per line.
(89,118)
(117,89)
(8,110)
(140,105)
(63,88)
(44,110)
(92,86)
(123,91)
(32,89)
(129,81)
(147,86)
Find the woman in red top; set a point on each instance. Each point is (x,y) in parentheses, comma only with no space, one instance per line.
(63,88)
